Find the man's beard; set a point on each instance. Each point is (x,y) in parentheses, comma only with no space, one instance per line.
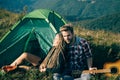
(69,41)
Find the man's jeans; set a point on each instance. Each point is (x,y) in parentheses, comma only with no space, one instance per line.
(83,77)
(57,76)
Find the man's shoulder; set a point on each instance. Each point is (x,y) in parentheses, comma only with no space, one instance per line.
(80,39)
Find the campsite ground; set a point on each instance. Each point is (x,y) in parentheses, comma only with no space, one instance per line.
(34,74)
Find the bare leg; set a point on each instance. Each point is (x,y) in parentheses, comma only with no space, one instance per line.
(34,60)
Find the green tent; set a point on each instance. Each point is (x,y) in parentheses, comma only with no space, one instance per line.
(34,32)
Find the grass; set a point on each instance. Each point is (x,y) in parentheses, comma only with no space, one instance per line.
(20,74)
(34,74)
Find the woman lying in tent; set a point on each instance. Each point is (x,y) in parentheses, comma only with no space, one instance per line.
(52,62)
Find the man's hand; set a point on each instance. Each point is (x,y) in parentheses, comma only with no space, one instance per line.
(92,70)
(42,68)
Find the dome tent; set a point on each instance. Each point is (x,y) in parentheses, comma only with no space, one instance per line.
(38,27)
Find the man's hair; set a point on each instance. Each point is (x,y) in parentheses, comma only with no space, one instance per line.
(67,27)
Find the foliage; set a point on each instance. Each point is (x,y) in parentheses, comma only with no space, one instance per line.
(21,74)
(107,22)
(34,74)
(71,9)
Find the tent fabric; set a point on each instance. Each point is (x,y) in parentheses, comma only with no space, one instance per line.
(34,32)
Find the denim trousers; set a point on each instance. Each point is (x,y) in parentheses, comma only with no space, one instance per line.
(57,76)
(84,76)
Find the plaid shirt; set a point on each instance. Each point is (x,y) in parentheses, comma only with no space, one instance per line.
(77,54)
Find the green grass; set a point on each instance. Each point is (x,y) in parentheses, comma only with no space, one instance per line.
(20,74)
(34,74)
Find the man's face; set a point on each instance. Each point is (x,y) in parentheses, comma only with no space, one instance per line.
(67,36)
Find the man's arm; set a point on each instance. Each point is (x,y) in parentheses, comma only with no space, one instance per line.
(90,67)
(89,61)
(88,54)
